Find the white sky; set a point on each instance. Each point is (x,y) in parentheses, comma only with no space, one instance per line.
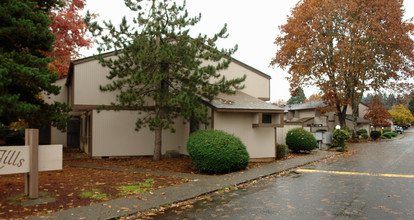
(253,25)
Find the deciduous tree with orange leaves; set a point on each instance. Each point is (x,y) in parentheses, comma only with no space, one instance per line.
(71,34)
(377,113)
(346,47)
(313,97)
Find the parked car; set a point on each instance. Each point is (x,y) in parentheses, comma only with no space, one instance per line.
(398,129)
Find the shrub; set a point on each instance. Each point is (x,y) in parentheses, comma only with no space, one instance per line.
(362,131)
(339,138)
(365,136)
(392,134)
(385,137)
(386,130)
(281,151)
(298,139)
(216,152)
(375,134)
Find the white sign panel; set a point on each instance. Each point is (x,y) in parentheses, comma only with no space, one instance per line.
(16,159)
(50,157)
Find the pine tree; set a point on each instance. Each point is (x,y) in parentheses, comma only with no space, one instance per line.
(298,98)
(159,68)
(24,76)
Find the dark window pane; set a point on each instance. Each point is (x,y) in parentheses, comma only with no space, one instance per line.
(267,119)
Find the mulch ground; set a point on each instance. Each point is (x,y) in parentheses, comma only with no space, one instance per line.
(67,185)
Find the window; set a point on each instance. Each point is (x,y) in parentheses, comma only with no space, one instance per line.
(267,119)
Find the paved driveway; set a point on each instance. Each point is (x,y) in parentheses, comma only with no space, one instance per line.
(377,182)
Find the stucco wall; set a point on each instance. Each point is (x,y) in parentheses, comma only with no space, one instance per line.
(363,110)
(255,85)
(56,136)
(87,79)
(260,142)
(90,75)
(114,135)
(306,113)
(321,120)
(62,96)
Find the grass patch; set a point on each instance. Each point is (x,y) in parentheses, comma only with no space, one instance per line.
(138,187)
(94,194)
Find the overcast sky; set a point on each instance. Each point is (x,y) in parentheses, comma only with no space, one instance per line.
(252,25)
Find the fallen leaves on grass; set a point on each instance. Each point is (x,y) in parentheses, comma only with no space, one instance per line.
(74,187)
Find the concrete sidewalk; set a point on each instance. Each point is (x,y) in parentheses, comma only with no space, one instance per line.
(201,184)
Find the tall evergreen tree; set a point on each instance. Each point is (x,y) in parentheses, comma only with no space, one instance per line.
(158,69)
(299,98)
(24,76)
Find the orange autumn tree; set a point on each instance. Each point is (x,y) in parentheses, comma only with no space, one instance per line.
(71,34)
(346,47)
(377,113)
(313,97)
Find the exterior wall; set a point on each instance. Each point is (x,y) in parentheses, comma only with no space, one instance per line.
(260,142)
(307,113)
(366,127)
(255,85)
(350,125)
(363,110)
(56,136)
(114,135)
(321,120)
(88,76)
(62,96)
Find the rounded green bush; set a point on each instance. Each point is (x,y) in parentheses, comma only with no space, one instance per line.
(375,134)
(339,138)
(387,129)
(217,152)
(387,135)
(362,131)
(365,135)
(298,139)
(392,134)
(281,151)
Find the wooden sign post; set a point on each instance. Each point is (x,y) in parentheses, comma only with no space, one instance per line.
(30,159)
(31,181)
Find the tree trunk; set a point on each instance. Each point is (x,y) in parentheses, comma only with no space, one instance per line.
(341,116)
(157,144)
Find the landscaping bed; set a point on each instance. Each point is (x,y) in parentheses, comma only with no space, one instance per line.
(73,187)
(180,165)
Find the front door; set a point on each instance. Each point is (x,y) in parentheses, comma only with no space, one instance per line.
(73,133)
